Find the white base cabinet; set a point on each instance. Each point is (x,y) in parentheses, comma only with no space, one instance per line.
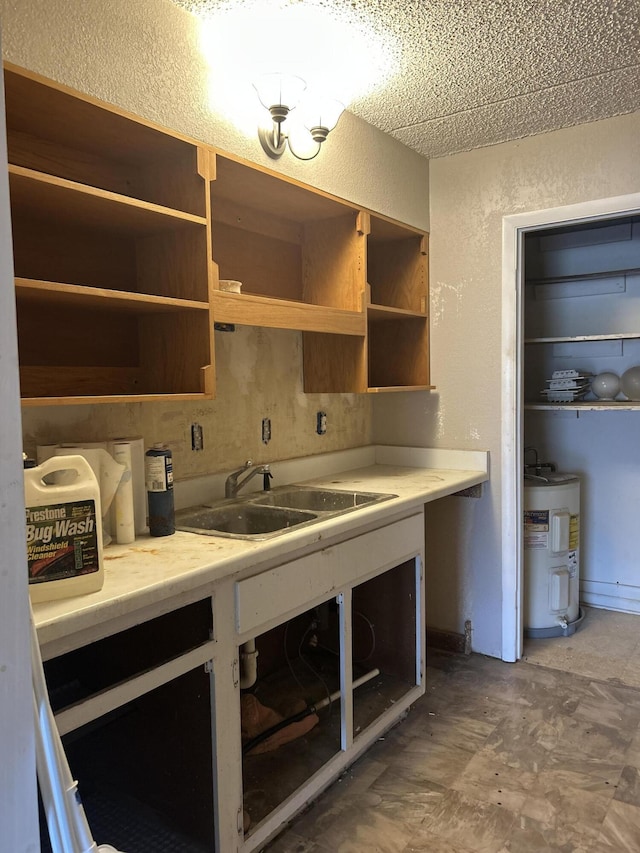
(151,714)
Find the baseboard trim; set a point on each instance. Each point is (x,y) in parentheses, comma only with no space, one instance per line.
(446,641)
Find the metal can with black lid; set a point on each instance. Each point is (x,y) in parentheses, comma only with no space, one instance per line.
(159,482)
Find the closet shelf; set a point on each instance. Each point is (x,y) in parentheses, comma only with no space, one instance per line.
(583,276)
(589,406)
(618,336)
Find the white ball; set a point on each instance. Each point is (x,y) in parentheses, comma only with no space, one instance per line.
(606,386)
(630,383)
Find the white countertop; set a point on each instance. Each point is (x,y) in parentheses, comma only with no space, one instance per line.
(163,572)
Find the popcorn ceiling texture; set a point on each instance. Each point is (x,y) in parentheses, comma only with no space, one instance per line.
(471,73)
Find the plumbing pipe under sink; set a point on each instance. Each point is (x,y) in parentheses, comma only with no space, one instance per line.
(248,664)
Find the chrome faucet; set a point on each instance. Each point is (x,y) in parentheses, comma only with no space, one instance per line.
(232,486)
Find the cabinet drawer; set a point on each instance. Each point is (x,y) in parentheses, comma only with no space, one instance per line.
(278,593)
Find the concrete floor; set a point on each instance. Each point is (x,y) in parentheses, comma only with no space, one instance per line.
(542,755)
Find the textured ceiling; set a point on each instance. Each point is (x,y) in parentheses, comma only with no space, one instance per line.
(470,73)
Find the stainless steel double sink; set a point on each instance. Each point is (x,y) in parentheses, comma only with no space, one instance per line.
(268,514)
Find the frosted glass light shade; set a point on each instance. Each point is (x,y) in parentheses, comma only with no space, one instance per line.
(630,383)
(323,113)
(606,386)
(276,90)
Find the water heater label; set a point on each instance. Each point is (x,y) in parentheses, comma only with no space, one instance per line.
(62,541)
(536,528)
(572,564)
(574,532)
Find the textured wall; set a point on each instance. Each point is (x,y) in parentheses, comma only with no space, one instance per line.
(470,194)
(145,57)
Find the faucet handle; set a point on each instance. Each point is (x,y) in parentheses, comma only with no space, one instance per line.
(266,477)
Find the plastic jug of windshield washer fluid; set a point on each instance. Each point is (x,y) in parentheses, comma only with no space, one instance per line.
(64,531)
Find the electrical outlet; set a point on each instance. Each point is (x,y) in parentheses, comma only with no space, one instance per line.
(266,430)
(321,423)
(197,437)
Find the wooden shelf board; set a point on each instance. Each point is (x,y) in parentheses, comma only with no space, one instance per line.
(618,336)
(394,388)
(114,398)
(591,406)
(38,194)
(250,310)
(386,312)
(49,292)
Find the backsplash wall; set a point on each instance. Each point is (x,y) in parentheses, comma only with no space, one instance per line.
(259,375)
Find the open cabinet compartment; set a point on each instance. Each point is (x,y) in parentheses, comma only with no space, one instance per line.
(102,285)
(334,363)
(70,350)
(397,266)
(398,353)
(385,638)
(298,664)
(64,233)
(55,130)
(143,764)
(295,250)
(394,355)
(362,649)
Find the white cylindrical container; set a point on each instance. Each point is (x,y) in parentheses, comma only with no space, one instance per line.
(125,528)
(64,533)
(551,546)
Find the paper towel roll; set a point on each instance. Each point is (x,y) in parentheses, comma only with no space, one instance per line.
(45,451)
(108,472)
(139,488)
(124,529)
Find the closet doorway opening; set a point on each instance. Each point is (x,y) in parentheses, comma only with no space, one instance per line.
(523,417)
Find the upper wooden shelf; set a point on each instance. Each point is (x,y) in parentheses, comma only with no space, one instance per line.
(395,388)
(385,312)
(252,310)
(40,195)
(54,293)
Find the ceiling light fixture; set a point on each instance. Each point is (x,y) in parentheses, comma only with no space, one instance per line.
(279,94)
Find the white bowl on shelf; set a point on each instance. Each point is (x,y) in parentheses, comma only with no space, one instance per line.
(630,383)
(606,386)
(230,286)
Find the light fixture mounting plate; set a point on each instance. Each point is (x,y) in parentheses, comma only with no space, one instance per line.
(267,137)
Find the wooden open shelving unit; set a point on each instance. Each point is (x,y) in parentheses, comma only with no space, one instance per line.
(394,355)
(110,229)
(122,231)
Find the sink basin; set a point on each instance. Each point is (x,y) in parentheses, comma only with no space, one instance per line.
(318,500)
(240,520)
(263,515)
